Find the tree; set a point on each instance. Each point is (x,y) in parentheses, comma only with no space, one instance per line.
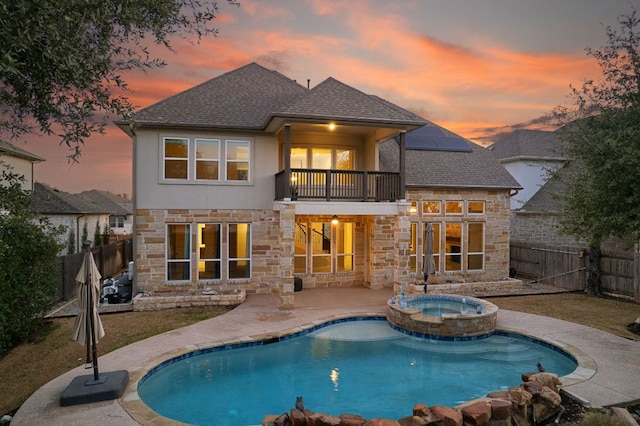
(85,233)
(71,241)
(28,261)
(601,139)
(97,237)
(105,234)
(62,61)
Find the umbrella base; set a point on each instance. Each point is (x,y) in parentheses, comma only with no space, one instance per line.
(85,389)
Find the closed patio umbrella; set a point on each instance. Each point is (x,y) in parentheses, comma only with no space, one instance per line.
(428,265)
(87,329)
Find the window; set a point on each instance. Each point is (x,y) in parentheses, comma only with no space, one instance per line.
(237,160)
(453,207)
(207,159)
(178,252)
(321,247)
(475,207)
(344,247)
(209,262)
(431,207)
(116,222)
(413,248)
(453,246)
(176,158)
(239,249)
(301,233)
(475,246)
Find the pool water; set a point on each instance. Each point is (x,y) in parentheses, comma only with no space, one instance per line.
(358,367)
(437,308)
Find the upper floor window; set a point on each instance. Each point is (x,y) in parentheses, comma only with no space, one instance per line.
(453,207)
(201,160)
(116,221)
(208,159)
(237,160)
(176,158)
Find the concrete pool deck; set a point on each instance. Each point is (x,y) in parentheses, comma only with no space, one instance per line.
(608,372)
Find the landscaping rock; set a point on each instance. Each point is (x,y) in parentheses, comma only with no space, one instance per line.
(624,415)
(382,422)
(421,410)
(269,420)
(297,417)
(450,416)
(282,420)
(413,421)
(500,409)
(319,419)
(351,420)
(549,380)
(476,413)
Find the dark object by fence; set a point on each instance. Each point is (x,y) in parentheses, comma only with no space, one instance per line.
(111,259)
(297,284)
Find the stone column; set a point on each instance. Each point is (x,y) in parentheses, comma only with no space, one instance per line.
(286,242)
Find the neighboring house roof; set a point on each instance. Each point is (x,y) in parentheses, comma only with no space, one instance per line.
(527,145)
(50,201)
(453,168)
(545,199)
(251,96)
(115,204)
(9,149)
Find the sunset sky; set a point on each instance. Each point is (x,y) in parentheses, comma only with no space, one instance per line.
(476,67)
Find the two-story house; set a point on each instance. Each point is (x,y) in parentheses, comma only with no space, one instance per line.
(251,179)
(529,155)
(20,162)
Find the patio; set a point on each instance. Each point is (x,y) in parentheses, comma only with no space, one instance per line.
(609,366)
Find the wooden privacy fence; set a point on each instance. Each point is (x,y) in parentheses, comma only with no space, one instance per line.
(568,267)
(111,259)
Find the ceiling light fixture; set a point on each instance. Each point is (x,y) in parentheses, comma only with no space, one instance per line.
(334,220)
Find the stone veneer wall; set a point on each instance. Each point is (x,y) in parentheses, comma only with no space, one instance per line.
(539,228)
(496,219)
(266,247)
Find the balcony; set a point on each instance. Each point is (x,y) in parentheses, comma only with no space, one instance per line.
(342,185)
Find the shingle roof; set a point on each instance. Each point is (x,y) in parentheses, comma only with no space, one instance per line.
(114,204)
(10,149)
(46,200)
(527,144)
(545,199)
(250,96)
(448,169)
(332,99)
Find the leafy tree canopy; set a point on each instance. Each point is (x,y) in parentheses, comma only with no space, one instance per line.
(61,61)
(28,262)
(601,138)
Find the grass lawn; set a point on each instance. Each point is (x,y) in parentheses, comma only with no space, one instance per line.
(29,366)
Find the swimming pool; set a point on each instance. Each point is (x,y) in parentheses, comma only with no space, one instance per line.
(362,367)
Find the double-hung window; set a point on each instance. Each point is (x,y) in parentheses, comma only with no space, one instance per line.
(237,160)
(239,250)
(176,158)
(209,254)
(178,252)
(207,159)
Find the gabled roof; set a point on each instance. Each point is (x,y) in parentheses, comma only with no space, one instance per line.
(9,149)
(546,198)
(476,168)
(526,145)
(116,205)
(49,201)
(249,97)
(332,99)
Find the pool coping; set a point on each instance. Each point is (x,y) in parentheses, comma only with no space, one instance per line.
(607,374)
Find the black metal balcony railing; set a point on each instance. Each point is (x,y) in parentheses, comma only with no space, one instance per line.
(314,184)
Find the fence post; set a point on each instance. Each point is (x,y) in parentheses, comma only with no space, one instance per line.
(636,276)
